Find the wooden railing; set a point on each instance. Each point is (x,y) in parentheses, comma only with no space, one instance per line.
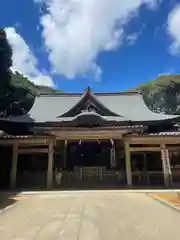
(148,178)
(28,179)
(93,174)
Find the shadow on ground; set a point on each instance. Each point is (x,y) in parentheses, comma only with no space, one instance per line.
(89,187)
(7,200)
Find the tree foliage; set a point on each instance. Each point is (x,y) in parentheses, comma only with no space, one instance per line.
(16,99)
(17,93)
(5,55)
(163,94)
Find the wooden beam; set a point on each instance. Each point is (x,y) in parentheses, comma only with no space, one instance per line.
(14,165)
(145,170)
(144,149)
(35,144)
(89,134)
(5,142)
(147,139)
(50,165)
(153,149)
(85,129)
(33,150)
(128,164)
(65,154)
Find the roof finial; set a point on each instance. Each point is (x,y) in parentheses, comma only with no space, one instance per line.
(88,89)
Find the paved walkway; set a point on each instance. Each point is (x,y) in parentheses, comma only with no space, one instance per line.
(89,216)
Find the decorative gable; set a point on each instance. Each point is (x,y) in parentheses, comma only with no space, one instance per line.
(88,103)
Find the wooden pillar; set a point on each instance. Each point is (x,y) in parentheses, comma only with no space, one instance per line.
(166,165)
(128,164)
(50,165)
(14,165)
(145,171)
(65,154)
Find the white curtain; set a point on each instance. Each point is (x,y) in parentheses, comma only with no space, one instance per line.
(113,157)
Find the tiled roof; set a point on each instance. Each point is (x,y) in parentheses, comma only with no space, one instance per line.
(176,133)
(126,106)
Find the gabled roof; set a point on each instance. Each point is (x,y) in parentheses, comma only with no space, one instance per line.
(120,107)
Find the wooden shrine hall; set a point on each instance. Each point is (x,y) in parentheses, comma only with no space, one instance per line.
(100,139)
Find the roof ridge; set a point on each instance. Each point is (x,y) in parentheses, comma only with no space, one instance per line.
(129,92)
(59,94)
(118,93)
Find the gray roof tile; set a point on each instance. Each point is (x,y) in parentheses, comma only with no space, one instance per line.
(173,133)
(130,106)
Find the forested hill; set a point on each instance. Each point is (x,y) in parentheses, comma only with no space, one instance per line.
(17,95)
(162,94)
(20,81)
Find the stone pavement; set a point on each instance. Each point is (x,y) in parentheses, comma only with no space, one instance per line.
(89,215)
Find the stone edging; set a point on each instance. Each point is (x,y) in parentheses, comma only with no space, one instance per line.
(7,208)
(2,211)
(146,191)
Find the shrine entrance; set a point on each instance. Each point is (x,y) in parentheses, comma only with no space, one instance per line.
(88,154)
(92,164)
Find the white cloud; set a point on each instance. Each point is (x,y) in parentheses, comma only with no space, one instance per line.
(174,29)
(76,31)
(24,60)
(132,38)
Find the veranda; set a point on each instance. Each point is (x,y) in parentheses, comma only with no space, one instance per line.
(116,160)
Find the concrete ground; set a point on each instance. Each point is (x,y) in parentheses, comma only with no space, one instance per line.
(93,215)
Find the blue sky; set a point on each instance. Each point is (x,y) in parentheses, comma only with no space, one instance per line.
(108,46)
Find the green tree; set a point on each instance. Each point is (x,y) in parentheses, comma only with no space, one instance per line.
(14,99)
(17,93)
(5,73)
(5,56)
(163,94)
